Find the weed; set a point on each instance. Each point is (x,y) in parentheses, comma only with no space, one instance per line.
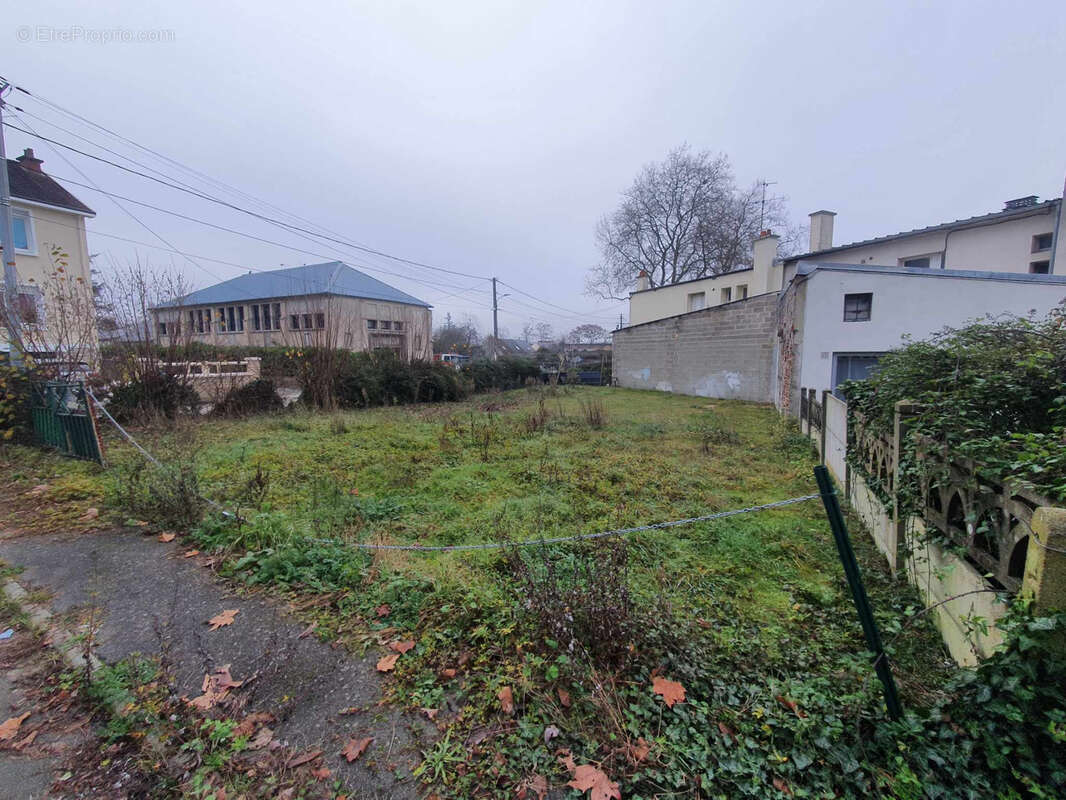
(535,421)
(168,495)
(594,412)
(337,425)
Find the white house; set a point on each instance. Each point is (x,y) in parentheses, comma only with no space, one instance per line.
(838,308)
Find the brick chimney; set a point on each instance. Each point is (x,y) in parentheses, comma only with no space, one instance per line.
(821,231)
(30,161)
(642,280)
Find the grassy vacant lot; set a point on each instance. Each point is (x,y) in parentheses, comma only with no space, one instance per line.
(750,614)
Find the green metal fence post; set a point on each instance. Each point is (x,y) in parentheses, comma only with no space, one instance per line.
(858,590)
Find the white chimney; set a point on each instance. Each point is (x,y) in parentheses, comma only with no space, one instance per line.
(821,230)
(642,281)
(763,255)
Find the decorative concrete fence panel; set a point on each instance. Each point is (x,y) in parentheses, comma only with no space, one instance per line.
(212,380)
(973,541)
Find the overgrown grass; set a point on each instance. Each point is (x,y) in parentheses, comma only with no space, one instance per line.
(738,608)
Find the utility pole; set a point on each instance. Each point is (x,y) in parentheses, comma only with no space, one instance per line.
(495,323)
(7,231)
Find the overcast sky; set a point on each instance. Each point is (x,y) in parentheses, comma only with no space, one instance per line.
(490,137)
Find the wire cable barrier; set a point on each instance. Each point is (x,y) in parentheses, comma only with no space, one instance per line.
(656,526)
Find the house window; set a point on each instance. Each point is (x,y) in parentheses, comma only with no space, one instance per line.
(1040,267)
(371,324)
(852,367)
(922,262)
(203,321)
(397,326)
(22,226)
(263,320)
(1041,242)
(320,320)
(697,300)
(162,328)
(742,292)
(857,307)
(727,294)
(294,322)
(307,322)
(386,325)
(230,319)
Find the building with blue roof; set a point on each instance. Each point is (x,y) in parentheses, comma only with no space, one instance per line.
(324,305)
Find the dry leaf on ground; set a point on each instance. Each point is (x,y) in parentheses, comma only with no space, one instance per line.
(566,759)
(448,673)
(167,537)
(639,751)
(506,700)
(791,706)
(402,647)
(191,553)
(782,787)
(321,773)
(672,691)
(383,610)
(589,779)
(303,758)
(431,713)
(92,513)
(215,687)
(9,728)
(537,784)
(253,721)
(26,740)
(386,663)
(564,698)
(355,748)
(261,739)
(225,618)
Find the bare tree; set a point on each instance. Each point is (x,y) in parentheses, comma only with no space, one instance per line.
(682,218)
(463,338)
(588,333)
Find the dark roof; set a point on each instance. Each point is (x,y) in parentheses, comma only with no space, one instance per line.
(1047,207)
(37,187)
(333,277)
(810,267)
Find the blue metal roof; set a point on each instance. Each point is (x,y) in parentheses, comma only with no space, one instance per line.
(334,277)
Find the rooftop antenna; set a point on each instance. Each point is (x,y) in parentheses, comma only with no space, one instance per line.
(762,202)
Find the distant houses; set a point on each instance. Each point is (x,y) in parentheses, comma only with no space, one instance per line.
(818,319)
(326,305)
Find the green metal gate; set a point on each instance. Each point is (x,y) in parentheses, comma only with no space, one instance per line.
(63,419)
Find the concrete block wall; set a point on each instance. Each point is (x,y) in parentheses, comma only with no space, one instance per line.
(725,351)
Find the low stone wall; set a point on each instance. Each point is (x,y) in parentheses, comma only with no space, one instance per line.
(211,380)
(726,351)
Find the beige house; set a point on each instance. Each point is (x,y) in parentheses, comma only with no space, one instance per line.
(326,305)
(54,298)
(764,276)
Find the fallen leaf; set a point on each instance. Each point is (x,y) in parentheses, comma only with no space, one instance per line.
(39,489)
(262,739)
(791,706)
(321,773)
(725,730)
(10,728)
(191,553)
(303,758)
(215,688)
(506,700)
(251,722)
(783,787)
(431,713)
(167,537)
(92,513)
(355,748)
(387,663)
(566,759)
(550,733)
(564,698)
(448,673)
(537,784)
(589,779)
(25,741)
(383,610)
(672,691)
(225,618)
(702,622)
(639,751)
(308,630)
(350,710)
(403,647)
